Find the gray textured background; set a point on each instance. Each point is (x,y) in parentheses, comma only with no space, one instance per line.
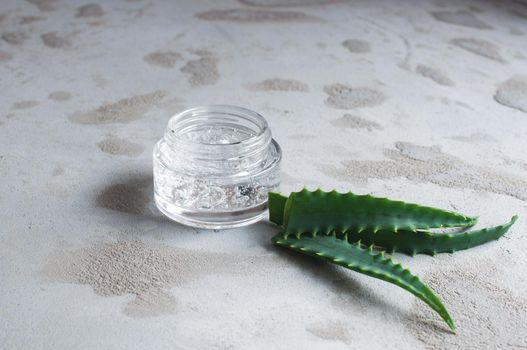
(423,101)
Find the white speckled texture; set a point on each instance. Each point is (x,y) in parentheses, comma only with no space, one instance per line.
(423,101)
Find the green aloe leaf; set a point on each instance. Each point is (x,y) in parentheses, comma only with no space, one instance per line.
(332,226)
(325,212)
(426,242)
(353,257)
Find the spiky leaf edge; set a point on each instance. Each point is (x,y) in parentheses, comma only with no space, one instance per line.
(365,261)
(318,211)
(426,242)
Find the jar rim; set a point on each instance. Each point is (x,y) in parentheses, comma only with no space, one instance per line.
(270,166)
(260,139)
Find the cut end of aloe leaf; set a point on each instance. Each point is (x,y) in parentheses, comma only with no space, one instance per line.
(276,207)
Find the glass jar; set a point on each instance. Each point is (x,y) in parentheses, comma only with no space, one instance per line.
(214,167)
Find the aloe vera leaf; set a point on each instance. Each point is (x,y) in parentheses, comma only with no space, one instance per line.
(353,257)
(324,212)
(425,242)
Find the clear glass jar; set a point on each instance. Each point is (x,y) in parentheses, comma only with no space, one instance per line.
(214,167)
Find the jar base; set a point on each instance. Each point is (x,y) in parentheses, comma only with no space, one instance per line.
(211,220)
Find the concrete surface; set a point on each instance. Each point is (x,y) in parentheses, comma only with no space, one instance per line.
(424,101)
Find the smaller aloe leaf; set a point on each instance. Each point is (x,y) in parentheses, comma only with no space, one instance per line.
(276,207)
(324,212)
(353,257)
(425,242)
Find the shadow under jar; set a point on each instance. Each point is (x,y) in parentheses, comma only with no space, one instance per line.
(214,167)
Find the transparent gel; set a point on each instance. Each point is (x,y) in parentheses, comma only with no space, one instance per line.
(214,167)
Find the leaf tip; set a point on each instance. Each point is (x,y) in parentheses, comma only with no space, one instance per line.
(450,322)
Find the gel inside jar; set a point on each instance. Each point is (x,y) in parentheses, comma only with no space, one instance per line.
(214,167)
